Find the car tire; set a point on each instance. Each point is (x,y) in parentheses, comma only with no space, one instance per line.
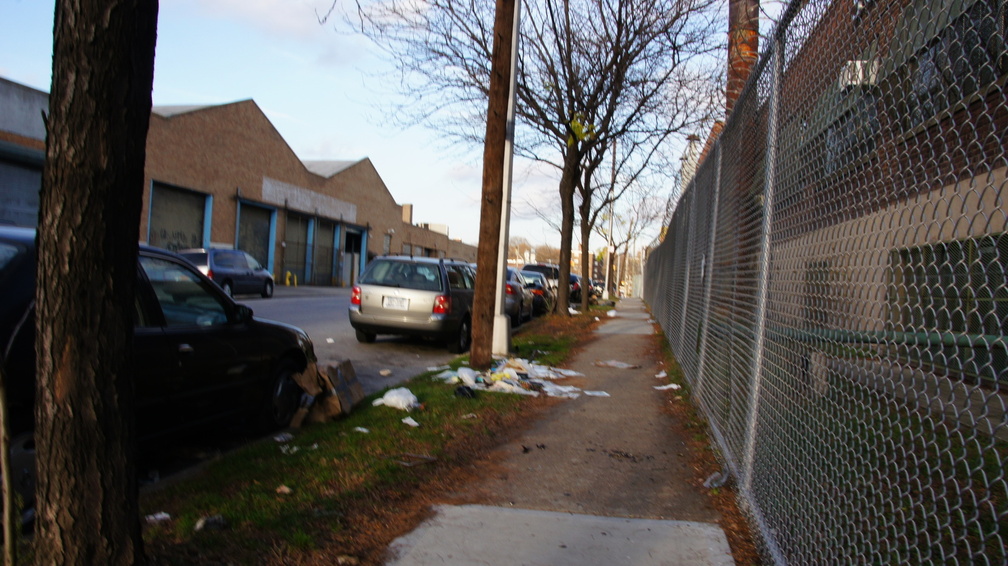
(463,338)
(283,399)
(227,288)
(267,291)
(365,337)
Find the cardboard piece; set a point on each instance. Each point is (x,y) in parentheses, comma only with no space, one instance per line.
(338,392)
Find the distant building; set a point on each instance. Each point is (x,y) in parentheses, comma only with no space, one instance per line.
(223,176)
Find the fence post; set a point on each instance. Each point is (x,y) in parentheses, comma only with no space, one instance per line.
(708,273)
(692,188)
(773,119)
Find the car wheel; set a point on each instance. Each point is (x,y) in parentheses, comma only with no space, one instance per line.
(462,340)
(283,400)
(267,291)
(365,337)
(227,288)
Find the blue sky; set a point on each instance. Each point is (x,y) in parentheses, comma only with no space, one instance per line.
(315,84)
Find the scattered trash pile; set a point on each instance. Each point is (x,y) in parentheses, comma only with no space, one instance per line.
(514,375)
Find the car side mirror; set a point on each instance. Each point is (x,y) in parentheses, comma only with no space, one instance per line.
(243,313)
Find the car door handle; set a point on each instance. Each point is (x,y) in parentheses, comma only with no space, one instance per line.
(185,349)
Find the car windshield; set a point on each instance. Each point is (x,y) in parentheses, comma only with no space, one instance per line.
(403,274)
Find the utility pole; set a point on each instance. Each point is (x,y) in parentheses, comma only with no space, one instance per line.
(502,322)
(493,182)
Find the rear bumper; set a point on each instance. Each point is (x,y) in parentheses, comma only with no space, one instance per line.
(434,327)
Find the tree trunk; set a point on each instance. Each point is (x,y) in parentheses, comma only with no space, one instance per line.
(484,298)
(586,256)
(568,183)
(89,217)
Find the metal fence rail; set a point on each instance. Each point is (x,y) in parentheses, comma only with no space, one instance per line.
(834,283)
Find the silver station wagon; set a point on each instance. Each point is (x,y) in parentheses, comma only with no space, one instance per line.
(416,296)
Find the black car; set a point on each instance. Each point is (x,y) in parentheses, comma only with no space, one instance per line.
(200,358)
(234,270)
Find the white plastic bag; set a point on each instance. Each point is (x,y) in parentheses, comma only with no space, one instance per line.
(398,398)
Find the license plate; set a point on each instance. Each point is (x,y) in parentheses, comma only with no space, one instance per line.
(395,303)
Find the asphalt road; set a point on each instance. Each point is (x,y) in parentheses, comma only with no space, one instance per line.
(322,313)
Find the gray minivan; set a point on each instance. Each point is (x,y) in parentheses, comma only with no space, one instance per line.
(234,270)
(416,296)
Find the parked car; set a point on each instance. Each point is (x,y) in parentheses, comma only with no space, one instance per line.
(543,298)
(200,359)
(518,299)
(416,296)
(234,270)
(575,288)
(549,270)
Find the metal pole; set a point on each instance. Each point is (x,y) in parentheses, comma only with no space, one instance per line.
(501,344)
(764,265)
(609,242)
(708,272)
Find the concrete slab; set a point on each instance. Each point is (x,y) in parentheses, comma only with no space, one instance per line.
(479,534)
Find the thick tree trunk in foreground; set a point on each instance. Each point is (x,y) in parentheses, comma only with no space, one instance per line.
(99,112)
(485,297)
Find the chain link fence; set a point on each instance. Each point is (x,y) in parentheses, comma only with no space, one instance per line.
(834,284)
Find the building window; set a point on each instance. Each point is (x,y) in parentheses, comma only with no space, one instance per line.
(852,136)
(387,245)
(966,56)
(949,307)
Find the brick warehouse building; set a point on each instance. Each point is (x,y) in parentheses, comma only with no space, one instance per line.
(223,176)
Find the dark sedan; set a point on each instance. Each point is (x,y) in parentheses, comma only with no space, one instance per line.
(201,358)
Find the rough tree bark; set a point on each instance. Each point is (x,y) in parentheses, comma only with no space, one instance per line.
(89,215)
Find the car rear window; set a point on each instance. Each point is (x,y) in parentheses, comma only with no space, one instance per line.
(403,274)
(196,258)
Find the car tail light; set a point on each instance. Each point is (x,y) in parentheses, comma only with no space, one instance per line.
(442,304)
(355,296)
(536,291)
(509,289)
(209,274)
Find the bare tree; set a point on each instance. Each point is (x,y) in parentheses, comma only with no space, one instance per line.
(547,254)
(519,248)
(89,216)
(589,71)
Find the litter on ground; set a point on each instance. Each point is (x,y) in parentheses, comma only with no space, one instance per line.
(661,374)
(611,313)
(513,375)
(385,372)
(398,398)
(615,364)
(409,421)
(158,517)
(667,387)
(361,429)
(596,393)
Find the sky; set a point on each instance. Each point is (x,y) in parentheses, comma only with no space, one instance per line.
(316,84)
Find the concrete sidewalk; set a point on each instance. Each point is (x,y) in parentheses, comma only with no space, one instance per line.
(608,490)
